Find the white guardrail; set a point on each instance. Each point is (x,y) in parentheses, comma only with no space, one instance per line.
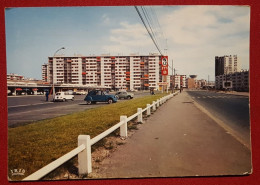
(84,143)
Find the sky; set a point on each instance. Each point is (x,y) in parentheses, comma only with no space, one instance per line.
(191,36)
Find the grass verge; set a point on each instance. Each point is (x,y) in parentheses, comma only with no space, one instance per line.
(32,146)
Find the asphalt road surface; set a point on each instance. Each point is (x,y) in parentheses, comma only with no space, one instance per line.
(233,110)
(27,109)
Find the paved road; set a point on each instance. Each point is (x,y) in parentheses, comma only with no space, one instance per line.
(177,140)
(27,109)
(233,110)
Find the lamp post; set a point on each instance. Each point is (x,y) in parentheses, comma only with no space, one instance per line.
(53,88)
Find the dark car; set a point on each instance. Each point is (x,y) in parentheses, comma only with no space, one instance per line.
(100,96)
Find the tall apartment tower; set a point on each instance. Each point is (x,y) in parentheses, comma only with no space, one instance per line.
(127,72)
(226,65)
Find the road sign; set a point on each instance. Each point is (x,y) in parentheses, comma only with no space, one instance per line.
(164,69)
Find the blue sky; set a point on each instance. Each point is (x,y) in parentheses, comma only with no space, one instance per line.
(195,35)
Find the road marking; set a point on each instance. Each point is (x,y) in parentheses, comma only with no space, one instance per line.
(28,105)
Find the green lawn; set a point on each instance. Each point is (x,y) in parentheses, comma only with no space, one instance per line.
(32,146)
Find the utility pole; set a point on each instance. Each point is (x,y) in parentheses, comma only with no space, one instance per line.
(172,77)
(208,82)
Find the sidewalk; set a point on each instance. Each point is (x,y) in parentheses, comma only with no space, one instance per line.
(177,140)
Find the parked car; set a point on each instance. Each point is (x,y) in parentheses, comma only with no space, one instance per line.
(80,92)
(99,96)
(63,96)
(125,95)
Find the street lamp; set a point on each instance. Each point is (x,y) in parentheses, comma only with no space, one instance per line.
(53,89)
(58,50)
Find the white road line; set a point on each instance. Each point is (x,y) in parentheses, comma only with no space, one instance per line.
(29,105)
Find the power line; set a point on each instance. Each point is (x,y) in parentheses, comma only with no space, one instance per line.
(148,21)
(150,34)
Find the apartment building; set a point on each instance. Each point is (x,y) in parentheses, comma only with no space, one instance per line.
(226,64)
(12,76)
(116,72)
(178,81)
(240,81)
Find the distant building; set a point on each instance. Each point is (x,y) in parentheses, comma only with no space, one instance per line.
(226,65)
(240,81)
(178,81)
(228,69)
(140,72)
(14,77)
(191,83)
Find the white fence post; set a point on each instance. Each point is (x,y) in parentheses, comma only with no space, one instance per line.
(140,116)
(148,112)
(158,103)
(154,106)
(84,157)
(123,128)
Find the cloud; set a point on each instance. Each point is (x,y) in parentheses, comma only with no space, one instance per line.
(105,19)
(128,38)
(195,35)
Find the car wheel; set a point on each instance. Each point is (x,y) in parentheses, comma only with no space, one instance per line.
(72,99)
(88,102)
(110,101)
(128,97)
(64,99)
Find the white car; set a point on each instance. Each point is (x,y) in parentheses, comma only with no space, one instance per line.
(63,96)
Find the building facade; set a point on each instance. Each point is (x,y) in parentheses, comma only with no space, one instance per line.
(228,70)
(226,64)
(240,81)
(178,81)
(116,72)
(12,77)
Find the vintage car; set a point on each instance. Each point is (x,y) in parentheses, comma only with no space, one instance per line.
(63,96)
(100,96)
(124,94)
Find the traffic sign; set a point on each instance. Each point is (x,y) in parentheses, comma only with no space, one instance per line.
(164,67)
